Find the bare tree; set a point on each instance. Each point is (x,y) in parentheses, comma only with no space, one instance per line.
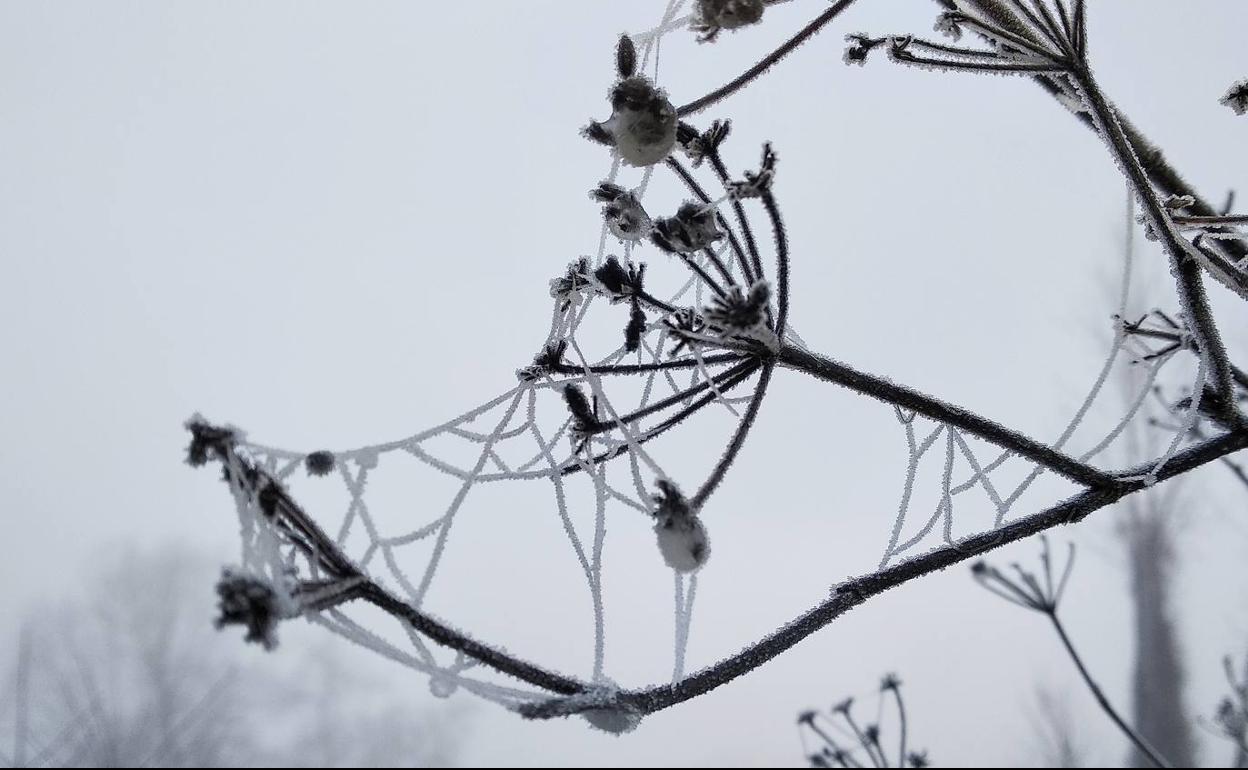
(1158,681)
(132,675)
(589,405)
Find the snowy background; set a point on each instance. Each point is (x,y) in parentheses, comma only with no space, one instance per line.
(334,224)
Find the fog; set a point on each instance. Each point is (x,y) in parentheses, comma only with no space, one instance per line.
(333,225)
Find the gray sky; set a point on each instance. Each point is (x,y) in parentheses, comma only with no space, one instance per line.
(333,224)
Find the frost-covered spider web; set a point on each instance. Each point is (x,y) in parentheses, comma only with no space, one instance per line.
(578,422)
(581,423)
(1130,348)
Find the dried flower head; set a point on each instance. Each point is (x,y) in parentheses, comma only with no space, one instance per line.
(252,601)
(756,184)
(584,419)
(618,282)
(208,442)
(623,212)
(571,287)
(860,47)
(1237,98)
(693,228)
(545,362)
(683,541)
(642,126)
(319,463)
(698,146)
(712,16)
(742,316)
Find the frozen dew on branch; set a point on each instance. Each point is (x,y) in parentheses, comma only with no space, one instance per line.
(602,707)
(1237,97)
(682,537)
(642,126)
(712,16)
(255,602)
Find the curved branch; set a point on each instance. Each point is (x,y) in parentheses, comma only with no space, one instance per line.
(907,398)
(744,79)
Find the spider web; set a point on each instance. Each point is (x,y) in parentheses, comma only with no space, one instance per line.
(528,434)
(525,434)
(959,449)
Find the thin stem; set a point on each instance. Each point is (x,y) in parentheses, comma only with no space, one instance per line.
(1140,743)
(683,363)
(705,276)
(819,22)
(667,424)
(738,439)
(782,262)
(755,267)
(876,759)
(835,746)
(720,267)
(675,398)
(900,395)
(901,718)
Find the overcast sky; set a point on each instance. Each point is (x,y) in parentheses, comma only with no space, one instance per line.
(334,224)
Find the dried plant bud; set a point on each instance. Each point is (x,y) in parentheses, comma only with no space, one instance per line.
(642,126)
(635,329)
(683,324)
(623,212)
(1237,98)
(699,146)
(683,541)
(254,602)
(712,16)
(319,463)
(625,57)
(620,283)
(545,362)
(738,314)
(208,441)
(571,287)
(583,418)
(692,229)
(756,184)
(860,47)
